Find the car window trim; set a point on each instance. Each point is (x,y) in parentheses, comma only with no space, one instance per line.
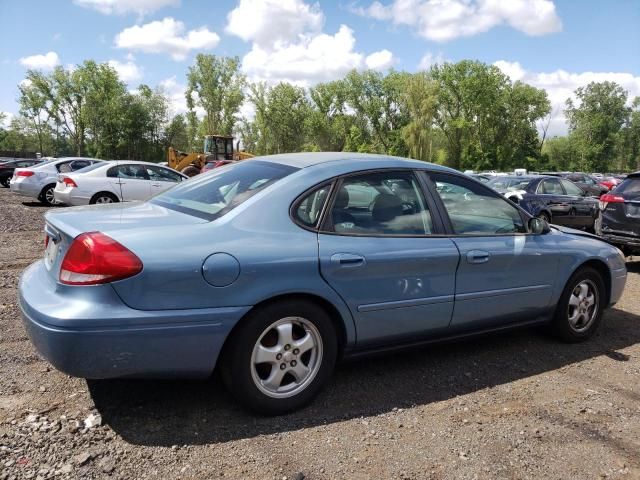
(300,198)
(339,179)
(447,220)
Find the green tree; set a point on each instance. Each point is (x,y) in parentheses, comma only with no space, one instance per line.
(215,84)
(176,133)
(421,97)
(595,121)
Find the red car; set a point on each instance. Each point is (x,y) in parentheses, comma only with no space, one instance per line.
(215,164)
(610,182)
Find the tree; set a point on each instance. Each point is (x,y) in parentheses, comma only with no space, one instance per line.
(215,84)
(176,133)
(328,124)
(595,121)
(421,96)
(33,106)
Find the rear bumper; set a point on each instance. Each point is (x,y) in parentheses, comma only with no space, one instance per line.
(71,198)
(88,332)
(27,189)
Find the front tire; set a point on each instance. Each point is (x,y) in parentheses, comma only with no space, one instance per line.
(579,311)
(279,358)
(4,181)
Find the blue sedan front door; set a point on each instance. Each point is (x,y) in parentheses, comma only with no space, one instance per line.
(505,275)
(377,251)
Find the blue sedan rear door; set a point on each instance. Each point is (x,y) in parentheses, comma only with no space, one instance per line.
(378,251)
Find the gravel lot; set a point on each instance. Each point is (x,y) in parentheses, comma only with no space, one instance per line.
(518,405)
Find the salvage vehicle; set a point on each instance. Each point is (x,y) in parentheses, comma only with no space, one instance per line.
(296,261)
(115,181)
(620,222)
(586,182)
(555,200)
(39,182)
(7,168)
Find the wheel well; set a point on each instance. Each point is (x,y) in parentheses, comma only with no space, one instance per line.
(44,189)
(105,193)
(603,270)
(323,303)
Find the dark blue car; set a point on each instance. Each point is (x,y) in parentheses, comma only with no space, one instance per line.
(556,200)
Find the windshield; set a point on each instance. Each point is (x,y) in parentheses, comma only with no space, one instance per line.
(214,194)
(509,184)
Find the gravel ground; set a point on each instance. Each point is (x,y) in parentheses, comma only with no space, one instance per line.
(518,405)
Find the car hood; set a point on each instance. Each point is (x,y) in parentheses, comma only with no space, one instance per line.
(573,231)
(117,217)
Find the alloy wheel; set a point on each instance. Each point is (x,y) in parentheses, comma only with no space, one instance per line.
(104,199)
(583,306)
(49,196)
(287,357)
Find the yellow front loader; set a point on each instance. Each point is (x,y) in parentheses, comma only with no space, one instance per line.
(216,148)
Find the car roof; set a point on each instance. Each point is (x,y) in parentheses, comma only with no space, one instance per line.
(517,177)
(309,159)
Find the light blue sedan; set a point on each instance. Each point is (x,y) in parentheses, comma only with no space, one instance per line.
(274,268)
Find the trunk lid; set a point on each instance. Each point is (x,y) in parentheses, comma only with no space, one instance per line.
(116,220)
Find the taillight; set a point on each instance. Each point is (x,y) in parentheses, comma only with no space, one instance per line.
(46,241)
(611,198)
(608,198)
(69,182)
(95,258)
(24,173)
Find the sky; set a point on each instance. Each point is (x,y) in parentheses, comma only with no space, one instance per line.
(558,45)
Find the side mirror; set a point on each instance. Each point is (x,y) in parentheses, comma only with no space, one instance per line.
(538,226)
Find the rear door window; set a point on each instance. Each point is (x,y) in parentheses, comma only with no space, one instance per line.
(160,174)
(572,189)
(629,187)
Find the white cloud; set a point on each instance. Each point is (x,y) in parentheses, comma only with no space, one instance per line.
(8,116)
(166,36)
(314,58)
(381,60)
(429,59)
(128,72)
(41,62)
(444,20)
(267,22)
(121,7)
(175,92)
(561,84)
(288,43)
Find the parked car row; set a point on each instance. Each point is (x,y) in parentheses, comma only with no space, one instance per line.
(84,181)
(554,199)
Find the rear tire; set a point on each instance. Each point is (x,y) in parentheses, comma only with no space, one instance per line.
(46,195)
(579,311)
(545,216)
(296,340)
(103,197)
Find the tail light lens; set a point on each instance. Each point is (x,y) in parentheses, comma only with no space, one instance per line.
(69,182)
(608,198)
(96,258)
(25,173)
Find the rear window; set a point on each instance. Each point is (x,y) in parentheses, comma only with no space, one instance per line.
(629,186)
(214,194)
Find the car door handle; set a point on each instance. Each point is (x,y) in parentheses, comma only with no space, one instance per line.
(478,256)
(156,185)
(347,260)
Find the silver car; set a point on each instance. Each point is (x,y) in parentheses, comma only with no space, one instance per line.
(39,182)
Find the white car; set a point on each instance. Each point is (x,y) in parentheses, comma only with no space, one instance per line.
(39,181)
(115,181)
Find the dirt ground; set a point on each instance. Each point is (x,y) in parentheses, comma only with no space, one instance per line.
(517,405)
